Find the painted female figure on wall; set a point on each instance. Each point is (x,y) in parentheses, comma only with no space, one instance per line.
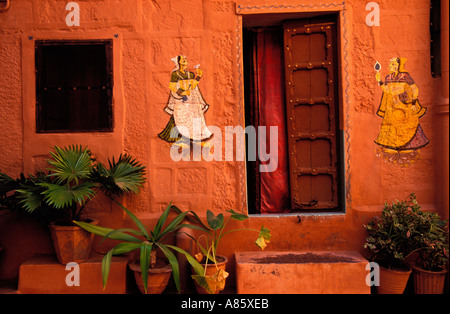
(185,106)
(400,134)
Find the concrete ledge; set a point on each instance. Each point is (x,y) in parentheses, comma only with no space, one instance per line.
(44,275)
(315,272)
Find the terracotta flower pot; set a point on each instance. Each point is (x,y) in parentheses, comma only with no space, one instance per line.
(158,277)
(71,243)
(393,281)
(428,282)
(211,269)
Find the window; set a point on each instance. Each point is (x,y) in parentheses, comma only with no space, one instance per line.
(74,86)
(435,37)
(4,5)
(291,81)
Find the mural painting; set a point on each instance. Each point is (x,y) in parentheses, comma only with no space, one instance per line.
(401,135)
(186,107)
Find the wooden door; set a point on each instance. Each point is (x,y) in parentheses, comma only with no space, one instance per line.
(312,117)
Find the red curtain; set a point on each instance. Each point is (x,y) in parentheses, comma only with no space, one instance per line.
(269,109)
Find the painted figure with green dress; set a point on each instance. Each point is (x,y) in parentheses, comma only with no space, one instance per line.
(185,106)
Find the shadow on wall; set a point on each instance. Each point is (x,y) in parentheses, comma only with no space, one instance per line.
(21,237)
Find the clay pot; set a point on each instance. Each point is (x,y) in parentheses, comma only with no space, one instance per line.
(158,277)
(428,282)
(211,269)
(392,281)
(71,243)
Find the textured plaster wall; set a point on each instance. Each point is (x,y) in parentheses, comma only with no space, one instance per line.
(404,32)
(146,35)
(10,99)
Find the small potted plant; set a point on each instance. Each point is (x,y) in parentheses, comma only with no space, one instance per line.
(151,273)
(430,240)
(389,239)
(74,178)
(213,276)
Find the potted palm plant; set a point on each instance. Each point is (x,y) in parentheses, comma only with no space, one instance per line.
(389,239)
(74,178)
(213,276)
(151,273)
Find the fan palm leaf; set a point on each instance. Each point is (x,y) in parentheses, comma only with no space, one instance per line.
(29,191)
(70,164)
(63,196)
(74,178)
(123,176)
(30,197)
(7,184)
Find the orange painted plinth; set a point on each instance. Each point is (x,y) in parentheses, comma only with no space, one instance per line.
(44,275)
(301,273)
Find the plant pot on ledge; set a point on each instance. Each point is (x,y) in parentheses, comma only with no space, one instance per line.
(212,269)
(147,244)
(397,235)
(212,276)
(428,282)
(158,277)
(74,177)
(72,243)
(393,281)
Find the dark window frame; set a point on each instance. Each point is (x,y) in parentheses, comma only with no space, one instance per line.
(435,38)
(108,86)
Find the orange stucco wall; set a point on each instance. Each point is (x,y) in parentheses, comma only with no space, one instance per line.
(208,32)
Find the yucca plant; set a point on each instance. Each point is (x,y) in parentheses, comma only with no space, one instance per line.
(74,177)
(147,242)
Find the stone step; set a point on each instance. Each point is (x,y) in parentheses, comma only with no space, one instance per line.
(314,272)
(44,275)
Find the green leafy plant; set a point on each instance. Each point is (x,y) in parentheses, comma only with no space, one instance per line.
(430,239)
(8,195)
(403,231)
(148,242)
(214,232)
(389,236)
(11,200)
(74,178)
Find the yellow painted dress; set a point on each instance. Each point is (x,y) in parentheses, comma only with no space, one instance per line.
(400,110)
